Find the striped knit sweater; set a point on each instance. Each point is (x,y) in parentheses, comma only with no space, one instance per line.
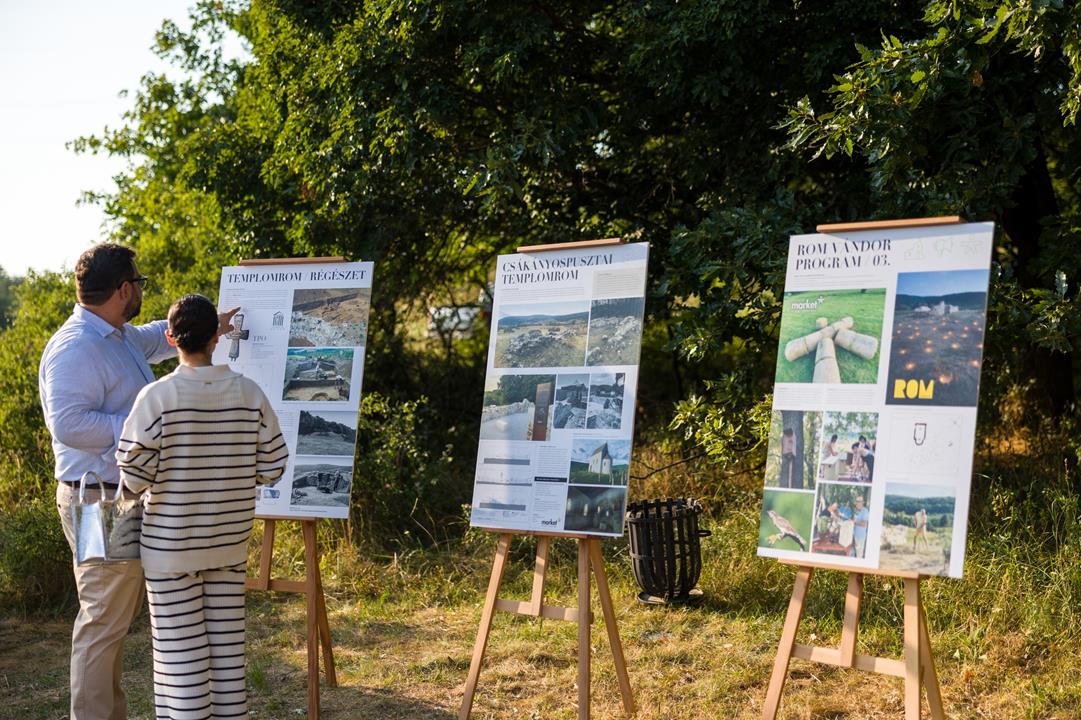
(198,441)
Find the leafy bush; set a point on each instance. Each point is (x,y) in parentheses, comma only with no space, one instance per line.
(26,462)
(35,560)
(399,484)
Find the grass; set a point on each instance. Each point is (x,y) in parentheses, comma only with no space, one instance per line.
(404,626)
(865,309)
(1006,638)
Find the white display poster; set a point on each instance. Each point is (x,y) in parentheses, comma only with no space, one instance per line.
(559,394)
(300,334)
(873,427)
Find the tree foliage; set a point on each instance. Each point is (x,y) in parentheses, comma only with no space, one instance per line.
(431,135)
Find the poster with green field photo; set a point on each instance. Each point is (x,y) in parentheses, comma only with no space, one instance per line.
(870,440)
(816,325)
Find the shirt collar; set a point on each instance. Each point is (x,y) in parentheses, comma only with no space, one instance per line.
(95,321)
(205,373)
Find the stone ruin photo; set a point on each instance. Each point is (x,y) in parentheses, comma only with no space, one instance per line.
(329,317)
(542,335)
(615,331)
(318,375)
(322,484)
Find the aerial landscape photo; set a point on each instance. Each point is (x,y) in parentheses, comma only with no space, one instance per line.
(542,334)
(830,336)
(329,317)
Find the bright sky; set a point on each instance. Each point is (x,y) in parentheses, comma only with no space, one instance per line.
(63,65)
(946,282)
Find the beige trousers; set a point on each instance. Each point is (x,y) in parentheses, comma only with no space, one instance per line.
(109,596)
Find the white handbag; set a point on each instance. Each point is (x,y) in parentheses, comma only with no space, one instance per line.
(107,530)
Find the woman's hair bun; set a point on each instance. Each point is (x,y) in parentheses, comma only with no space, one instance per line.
(193,322)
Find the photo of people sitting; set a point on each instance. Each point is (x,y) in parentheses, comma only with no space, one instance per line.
(848,448)
(841,519)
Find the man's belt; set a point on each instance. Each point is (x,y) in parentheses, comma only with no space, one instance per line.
(75,484)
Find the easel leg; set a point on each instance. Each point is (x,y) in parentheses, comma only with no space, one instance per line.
(850,629)
(329,670)
(912,652)
(498,565)
(930,675)
(540,569)
(788,639)
(311,561)
(605,599)
(583,629)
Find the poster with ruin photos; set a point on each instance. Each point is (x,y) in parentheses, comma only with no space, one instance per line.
(301,334)
(872,431)
(558,412)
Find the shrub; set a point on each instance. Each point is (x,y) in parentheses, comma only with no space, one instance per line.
(401,485)
(35,560)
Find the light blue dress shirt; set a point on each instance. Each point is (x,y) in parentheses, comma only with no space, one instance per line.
(89,376)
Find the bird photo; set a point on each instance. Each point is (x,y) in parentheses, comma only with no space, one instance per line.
(786,521)
(786,530)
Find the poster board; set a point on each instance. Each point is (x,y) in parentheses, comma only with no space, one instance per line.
(872,431)
(557,420)
(301,334)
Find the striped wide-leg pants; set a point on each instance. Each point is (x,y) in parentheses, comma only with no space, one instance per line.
(197,624)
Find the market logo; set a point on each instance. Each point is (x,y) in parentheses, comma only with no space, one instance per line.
(809,305)
(913,389)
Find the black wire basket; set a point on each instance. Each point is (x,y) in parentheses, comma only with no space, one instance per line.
(666,549)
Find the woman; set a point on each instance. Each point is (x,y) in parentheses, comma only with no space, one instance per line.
(198,441)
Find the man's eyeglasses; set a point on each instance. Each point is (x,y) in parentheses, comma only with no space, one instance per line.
(140,280)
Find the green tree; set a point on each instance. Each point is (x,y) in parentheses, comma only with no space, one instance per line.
(8,285)
(430,135)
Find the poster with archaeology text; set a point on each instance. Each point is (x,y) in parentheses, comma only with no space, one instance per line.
(872,432)
(300,334)
(559,395)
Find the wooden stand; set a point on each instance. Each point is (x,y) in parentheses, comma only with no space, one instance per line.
(589,556)
(318,629)
(917,666)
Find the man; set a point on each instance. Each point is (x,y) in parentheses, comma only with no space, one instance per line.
(919,520)
(90,373)
(861,516)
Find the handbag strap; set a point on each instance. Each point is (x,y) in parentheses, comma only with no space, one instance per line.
(82,485)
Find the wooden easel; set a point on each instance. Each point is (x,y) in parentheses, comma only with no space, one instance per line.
(317,626)
(917,666)
(589,557)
